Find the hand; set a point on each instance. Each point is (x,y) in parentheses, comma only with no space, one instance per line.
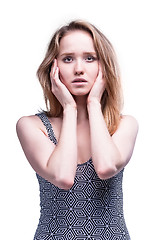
(59,89)
(97,89)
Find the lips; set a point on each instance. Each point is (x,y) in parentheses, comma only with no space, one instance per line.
(79,80)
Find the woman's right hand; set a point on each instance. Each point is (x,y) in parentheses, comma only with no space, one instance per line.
(59,89)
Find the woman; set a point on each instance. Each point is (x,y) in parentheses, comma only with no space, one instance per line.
(80,163)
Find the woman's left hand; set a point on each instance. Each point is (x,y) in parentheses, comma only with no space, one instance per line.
(97,89)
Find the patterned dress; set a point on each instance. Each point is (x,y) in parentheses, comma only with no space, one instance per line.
(91,209)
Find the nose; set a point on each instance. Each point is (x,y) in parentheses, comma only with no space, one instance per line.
(78,68)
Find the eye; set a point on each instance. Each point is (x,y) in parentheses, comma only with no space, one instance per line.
(67,59)
(90,58)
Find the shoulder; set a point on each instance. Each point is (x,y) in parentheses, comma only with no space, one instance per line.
(128,125)
(130,120)
(28,125)
(27,121)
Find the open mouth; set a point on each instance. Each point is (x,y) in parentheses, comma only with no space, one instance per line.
(79,80)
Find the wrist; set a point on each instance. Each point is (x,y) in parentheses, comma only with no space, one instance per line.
(70,108)
(93,103)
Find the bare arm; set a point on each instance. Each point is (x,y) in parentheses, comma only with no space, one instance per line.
(57,163)
(109,153)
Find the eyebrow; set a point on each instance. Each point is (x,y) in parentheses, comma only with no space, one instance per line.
(71,53)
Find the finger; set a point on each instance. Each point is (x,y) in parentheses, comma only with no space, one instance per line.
(99,76)
(55,64)
(57,79)
(53,68)
(56,74)
(52,76)
(100,70)
(100,66)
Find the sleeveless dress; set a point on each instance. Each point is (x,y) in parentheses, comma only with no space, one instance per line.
(91,209)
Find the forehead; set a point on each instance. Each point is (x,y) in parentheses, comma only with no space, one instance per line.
(77,40)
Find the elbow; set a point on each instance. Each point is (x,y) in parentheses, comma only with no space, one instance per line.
(64,183)
(109,170)
(106,172)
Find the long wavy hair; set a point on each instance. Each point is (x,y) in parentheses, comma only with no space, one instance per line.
(112,100)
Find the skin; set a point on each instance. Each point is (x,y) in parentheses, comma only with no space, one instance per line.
(81,132)
(78,61)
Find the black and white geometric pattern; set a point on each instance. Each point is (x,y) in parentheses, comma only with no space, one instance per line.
(91,209)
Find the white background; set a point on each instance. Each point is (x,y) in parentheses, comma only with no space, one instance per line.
(134,29)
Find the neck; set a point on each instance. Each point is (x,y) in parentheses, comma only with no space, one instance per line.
(82,113)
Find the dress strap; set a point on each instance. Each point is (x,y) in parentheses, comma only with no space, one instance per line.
(48,126)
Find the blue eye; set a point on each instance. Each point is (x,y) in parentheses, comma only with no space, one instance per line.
(67,59)
(90,59)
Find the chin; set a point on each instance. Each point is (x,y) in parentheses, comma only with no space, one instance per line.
(80,92)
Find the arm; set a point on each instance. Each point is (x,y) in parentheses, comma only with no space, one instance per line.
(57,163)
(109,153)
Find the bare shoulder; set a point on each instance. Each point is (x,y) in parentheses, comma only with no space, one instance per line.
(26,122)
(128,126)
(30,125)
(130,120)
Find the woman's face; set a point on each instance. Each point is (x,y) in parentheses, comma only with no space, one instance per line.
(77,62)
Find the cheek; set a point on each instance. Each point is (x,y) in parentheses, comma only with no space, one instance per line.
(63,74)
(94,73)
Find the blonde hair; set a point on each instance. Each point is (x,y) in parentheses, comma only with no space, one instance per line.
(111,101)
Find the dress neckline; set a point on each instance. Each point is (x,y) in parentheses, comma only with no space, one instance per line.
(47,123)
